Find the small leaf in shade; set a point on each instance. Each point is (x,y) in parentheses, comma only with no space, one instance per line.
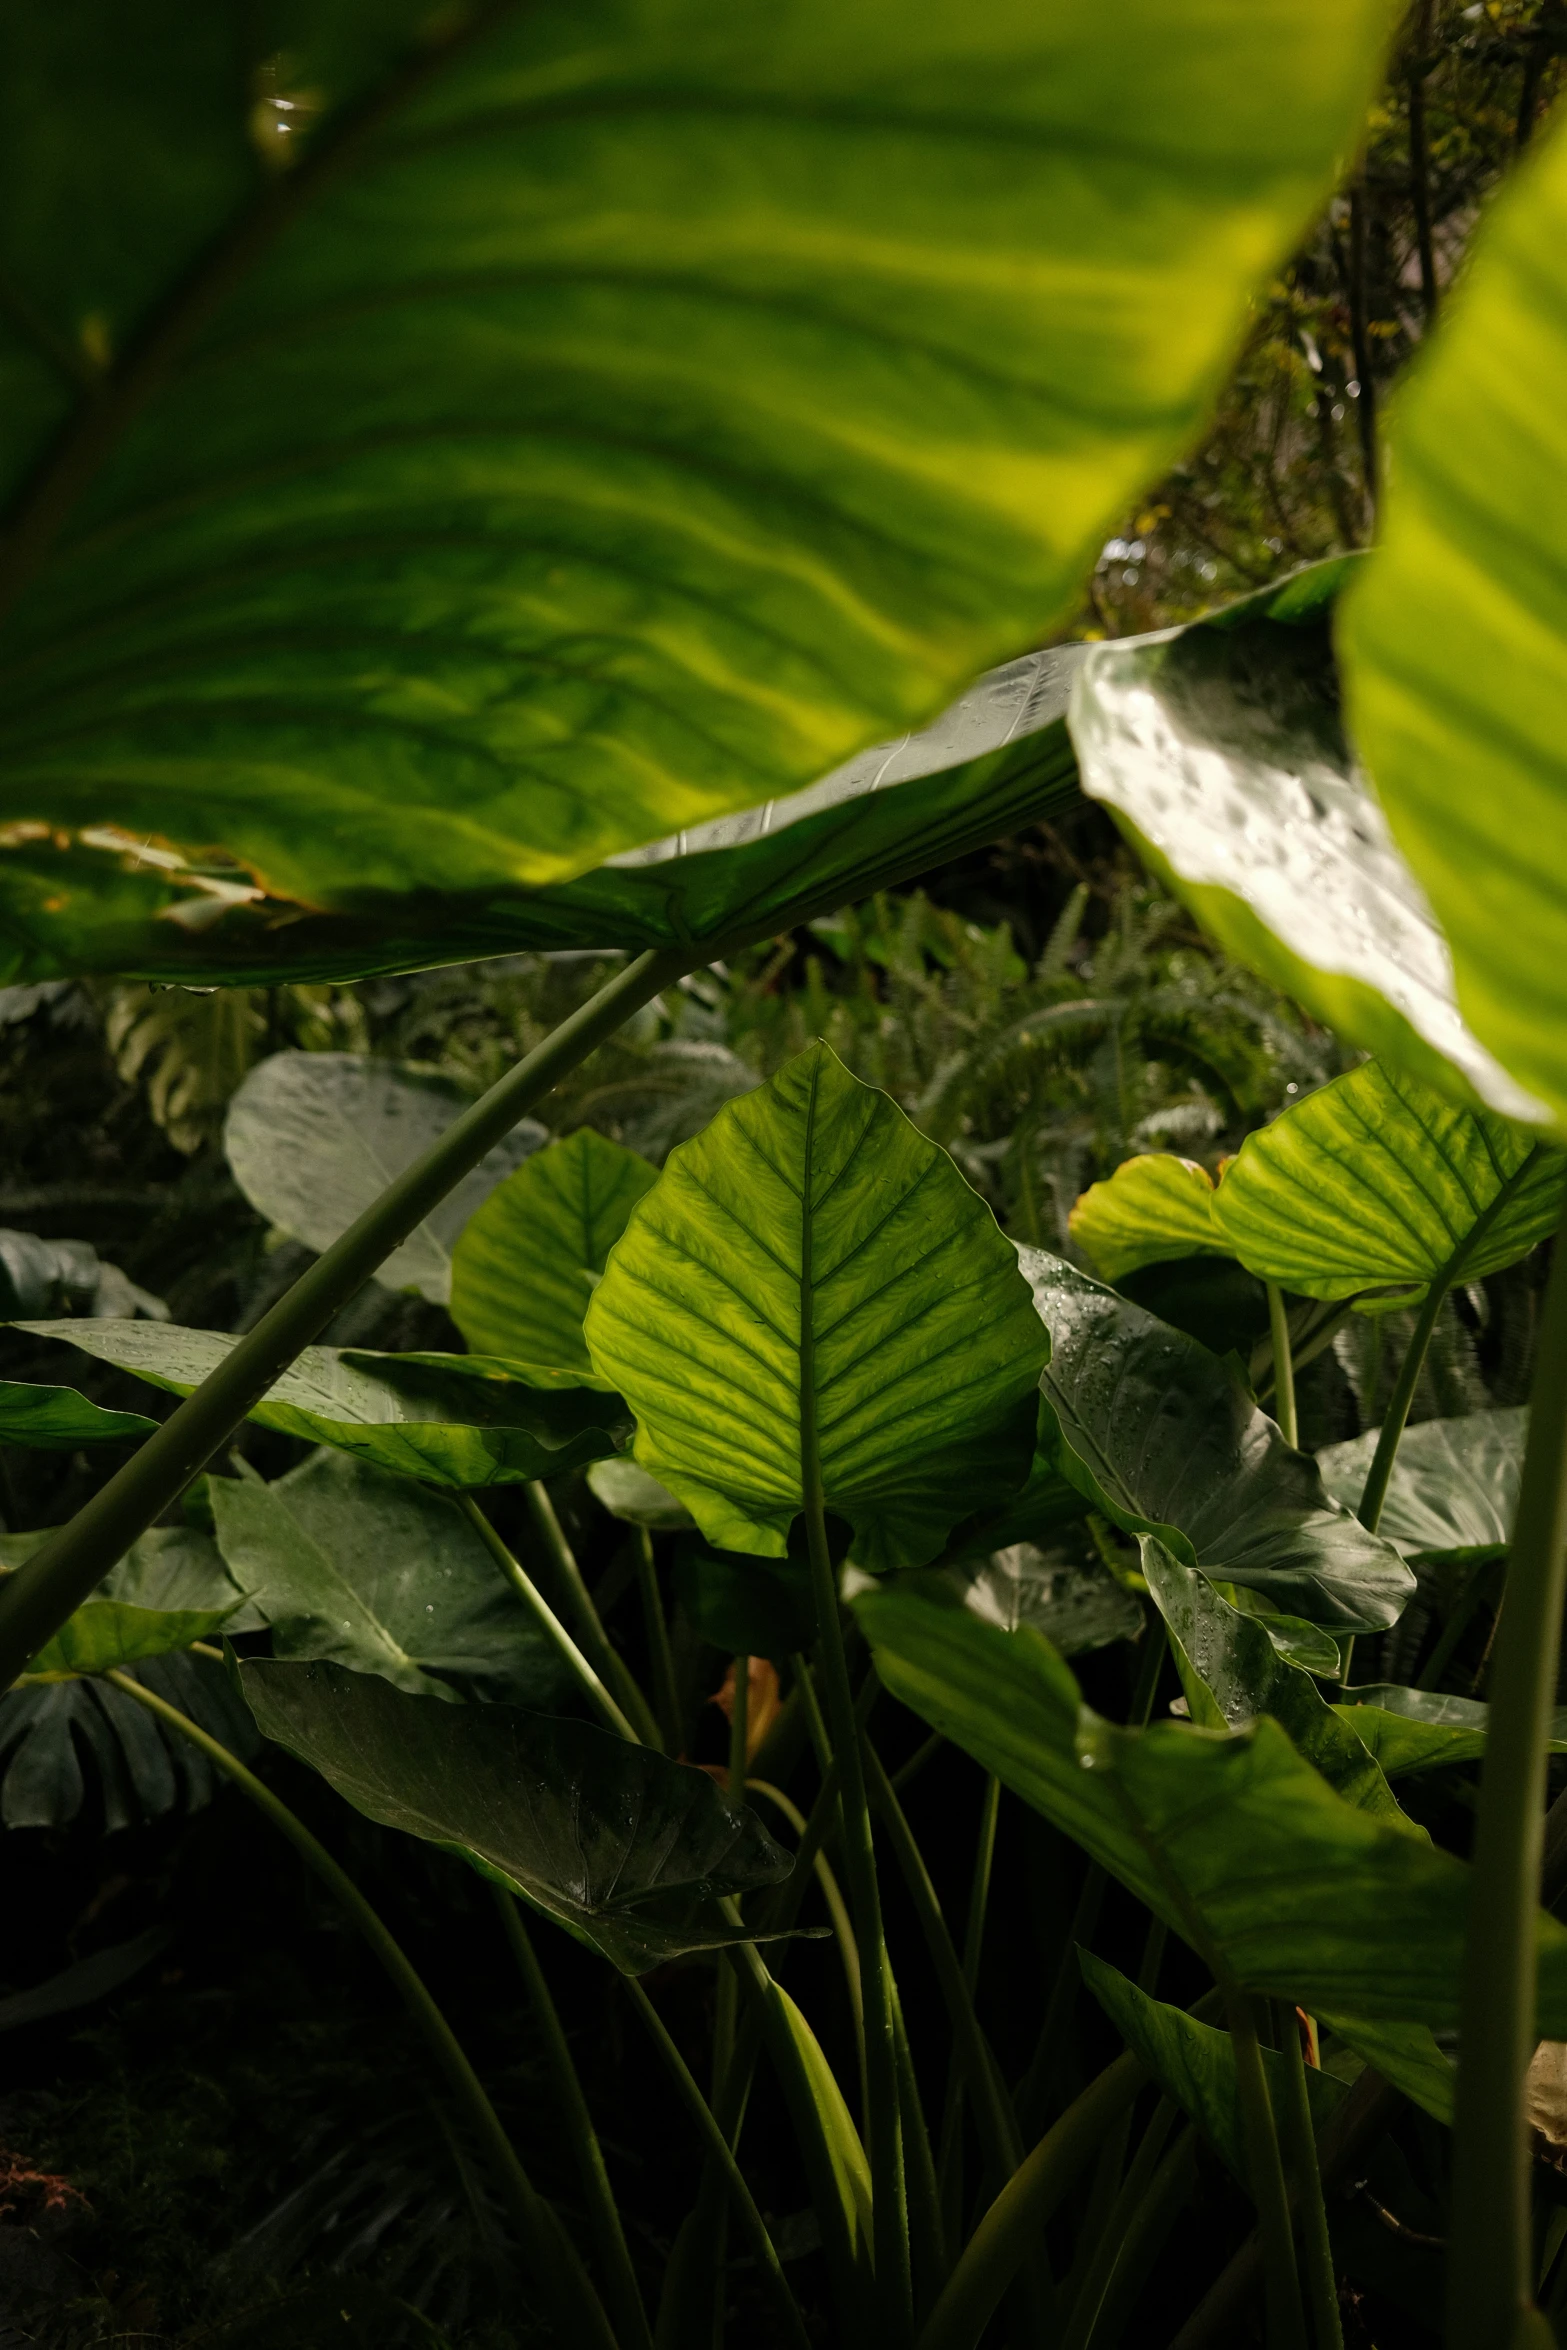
(1233,1674)
(811,1291)
(1235,1841)
(57,1419)
(1453,1493)
(1159,1435)
(1545,2099)
(526,1264)
(73,1746)
(106,1634)
(462,1420)
(1376,1179)
(744,1605)
(1421,1729)
(1220,749)
(627,1491)
(171,1588)
(1194,2064)
(624,1848)
(313,1138)
(1154,1208)
(1405,2054)
(346,1562)
(1074,1606)
(85,1982)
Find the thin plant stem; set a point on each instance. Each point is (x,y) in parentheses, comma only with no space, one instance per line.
(928,2236)
(1084,2312)
(609,1663)
(1420,161)
(1146,2232)
(666,1694)
(837,1910)
(1300,2142)
(36,1600)
(1489,2276)
(1265,2168)
(549,2249)
(907,1772)
(728,1988)
(752,2225)
(1360,333)
(546,1618)
(617,2275)
(1459,1620)
(950,2163)
(1283,1367)
(1394,1419)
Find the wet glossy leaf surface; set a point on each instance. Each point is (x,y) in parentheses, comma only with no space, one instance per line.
(373,1571)
(624,1848)
(462,1420)
(812,1273)
(526,1264)
(1159,1434)
(1453,1493)
(1075,1607)
(1422,1729)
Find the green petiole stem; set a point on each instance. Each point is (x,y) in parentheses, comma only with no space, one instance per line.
(617,2274)
(666,1694)
(739,1723)
(950,2163)
(837,1910)
(1480,1580)
(1146,2233)
(928,2235)
(1084,2314)
(606,1658)
(1489,2275)
(1283,1366)
(36,1600)
(752,2225)
(549,2249)
(1300,2142)
(1374,1493)
(544,1615)
(1286,2318)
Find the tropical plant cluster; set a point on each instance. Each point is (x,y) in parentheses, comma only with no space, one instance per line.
(612,485)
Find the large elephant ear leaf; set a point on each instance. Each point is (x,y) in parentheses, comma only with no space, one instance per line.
(1453,1493)
(313,1138)
(624,1848)
(57,1419)
(1376,1179)
(1160,1435)
(1155,1209)
(526,1265)
(466,444)
(1454,645)
(812,1297)
(1220,750)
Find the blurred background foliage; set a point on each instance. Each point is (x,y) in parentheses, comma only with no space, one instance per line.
(1039,1009)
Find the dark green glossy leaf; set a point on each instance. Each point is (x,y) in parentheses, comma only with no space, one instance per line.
(178,1568)
(1453,1493)
(1405,2054)
(1421,1729)
(57,1419)
(1455,644)
(628,1492)
(1377,1180)
(1233,1674)
(812,1289)
(1043,1506)
(65,1277)
(1161,1436)
(744,1605)
(72,1745)
(313,1138)
(527,1263)
(1076,1607)
(1235,1841)
(107,1634)
(451,1419)
(1220,750)
(624,1848)
(447,450)
(378,1573)
(1153,1208)
(1194,2064)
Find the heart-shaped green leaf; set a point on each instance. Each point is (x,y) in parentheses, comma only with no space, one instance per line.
(313,1138)
(1074,1606)
(1221,752)
(1455,643)
(1161,1436)
(1421,1729)
(109,1633)
(1153,1209)
(451,1419)
(444,450)
(624,1848)
(1453,1493)
(57,1419)
(381,1574)
(629,1493)
(1233,1674)
(1235,1841)
(1377,1179)
(1194,2064)
(526,1264)
(812,1296)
